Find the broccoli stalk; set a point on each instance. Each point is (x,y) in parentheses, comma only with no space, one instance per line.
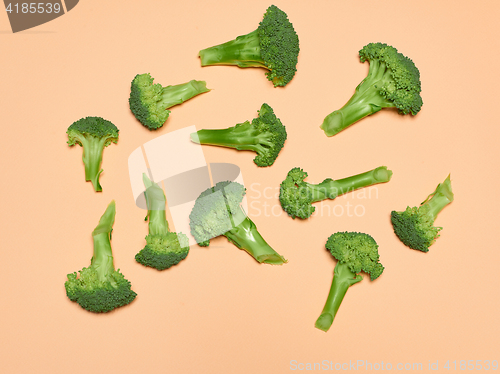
(355,252)
(163,248)
(100,288)
(415,226)
(273,46)
(149,102)
(393,80)
(217,211)
(265,135)
(296,195)
(93,134)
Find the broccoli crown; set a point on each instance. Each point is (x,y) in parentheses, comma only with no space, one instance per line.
(295,195)
(96,295)
(358,251)
(404,87)
(163,251)
(279,46)
(210,216)
(415,227)
(95,127)
(146,102)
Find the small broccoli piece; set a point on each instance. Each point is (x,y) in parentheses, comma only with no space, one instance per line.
(149,102)
(100,288)
(217,211)
(355,252)
(296,196)
(93,134)
(265,135)
(163,248)
(273,46)
(415,226)
(393,80)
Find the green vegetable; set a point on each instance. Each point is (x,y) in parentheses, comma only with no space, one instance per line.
(273,46)
(149,102)
(163,248)
(296,196)
(415,226)
(392,81)
(100,288)
(217,211)
(93,134)
(355,252)
(265,135)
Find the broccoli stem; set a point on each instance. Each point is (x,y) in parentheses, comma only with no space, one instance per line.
(92,159)
(155,201)
(244,51)
(330,189)
(245,236)
(343,278)
(102,259)
(441,197)
(241,138)
(177,94)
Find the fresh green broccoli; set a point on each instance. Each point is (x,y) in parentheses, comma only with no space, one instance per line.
(393,80)
(100,288)
(273,46)
(355,252)
(296,196)
(415,226)
(163,248)
(149,102)
(217,211)
(93,134)
(265,135)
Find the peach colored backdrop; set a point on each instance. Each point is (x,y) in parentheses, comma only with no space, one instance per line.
(219,311)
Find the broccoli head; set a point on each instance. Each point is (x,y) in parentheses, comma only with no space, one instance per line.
(273,46)
(100,288)
(355,253)
(393,81)
(217,211)
(163,248)
(415,226)
(265,135)
(297,196)
(93,134)
(149,102)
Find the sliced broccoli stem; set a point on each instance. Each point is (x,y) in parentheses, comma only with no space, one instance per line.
(102,259)
(244,51)
(92,159)
(330,189)
(440,198)
(245,236)
(343,278)
(177,94)
(240,138)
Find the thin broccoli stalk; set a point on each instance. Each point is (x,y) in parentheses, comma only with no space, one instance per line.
(330,189)
(179,93)
(102,259)
(366,100)
(92,159)
(245,236)
(244,51)
(242,138)
(440,198)
(157,216)
(343,278)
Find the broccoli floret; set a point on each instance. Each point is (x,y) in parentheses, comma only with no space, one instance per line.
(163,248)
(217,211)
(93,134)
(100,288)
(355,252)
(273,46)
(265,135)
(393,80)
(149,102)
(415,226)
(296,196)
